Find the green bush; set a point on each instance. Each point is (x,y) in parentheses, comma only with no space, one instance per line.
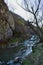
(13,40)
(25,62)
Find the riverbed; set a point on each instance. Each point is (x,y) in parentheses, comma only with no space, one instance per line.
(9,55)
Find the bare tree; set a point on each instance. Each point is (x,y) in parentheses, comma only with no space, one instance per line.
(34,11)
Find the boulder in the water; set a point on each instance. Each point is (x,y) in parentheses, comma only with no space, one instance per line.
(17,59)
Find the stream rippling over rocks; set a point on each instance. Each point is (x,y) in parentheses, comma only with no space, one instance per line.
(22,53)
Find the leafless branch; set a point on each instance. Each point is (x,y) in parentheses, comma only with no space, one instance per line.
(38,6)
(26,9)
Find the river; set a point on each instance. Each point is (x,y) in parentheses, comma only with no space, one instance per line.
(15,56)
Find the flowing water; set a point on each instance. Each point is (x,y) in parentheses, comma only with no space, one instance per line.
(10,55)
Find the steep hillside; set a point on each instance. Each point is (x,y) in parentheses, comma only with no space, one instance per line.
(12,24)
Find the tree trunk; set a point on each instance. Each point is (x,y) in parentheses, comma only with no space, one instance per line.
(38,25)
(41,38)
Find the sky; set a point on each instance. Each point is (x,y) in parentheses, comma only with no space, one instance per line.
(14,7)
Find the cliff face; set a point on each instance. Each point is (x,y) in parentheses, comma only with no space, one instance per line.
(6,20)
(10,22)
